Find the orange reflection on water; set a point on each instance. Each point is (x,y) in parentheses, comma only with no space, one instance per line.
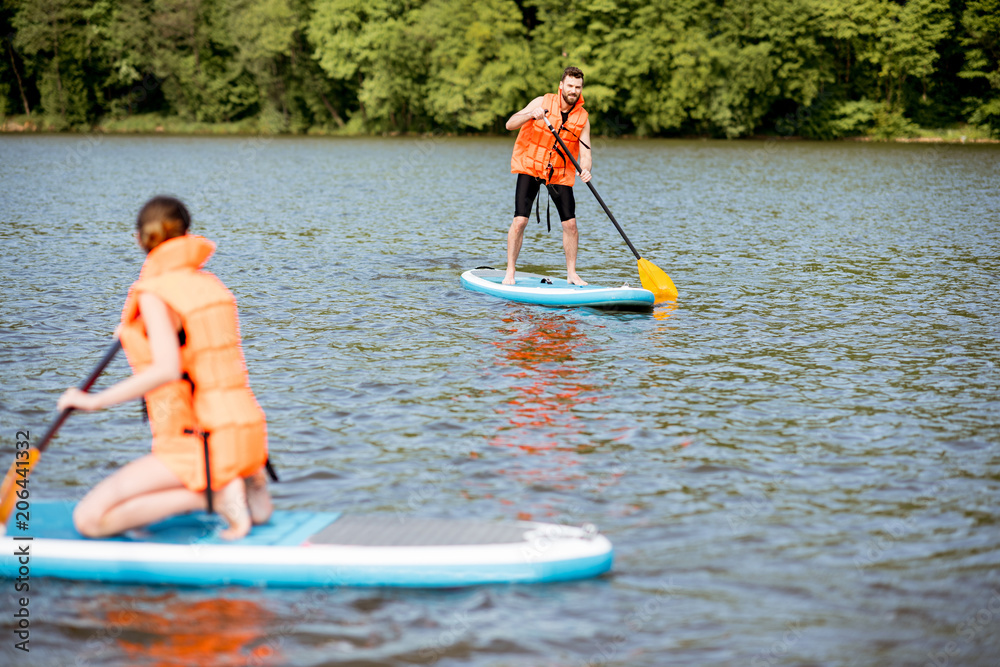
(665,310)
(541,349)
(170,631)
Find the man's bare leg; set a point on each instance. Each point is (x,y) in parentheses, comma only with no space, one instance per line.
(515,235)
(571,239)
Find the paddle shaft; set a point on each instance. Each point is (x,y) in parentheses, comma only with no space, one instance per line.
(592,188)
(84,386)
(21,467)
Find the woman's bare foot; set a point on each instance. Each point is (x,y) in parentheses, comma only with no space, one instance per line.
(232,506)
(258,497)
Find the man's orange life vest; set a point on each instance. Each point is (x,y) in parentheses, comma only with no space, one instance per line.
(536,151)
(214,395)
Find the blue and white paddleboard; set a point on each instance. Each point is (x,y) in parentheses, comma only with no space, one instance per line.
(306,549)
(546,291)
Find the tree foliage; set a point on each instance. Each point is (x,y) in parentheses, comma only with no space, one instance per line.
(981,37)
(726,68)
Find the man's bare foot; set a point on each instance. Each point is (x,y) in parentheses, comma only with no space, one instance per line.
(574,279)
(508,279)
(258,497)
(232,506)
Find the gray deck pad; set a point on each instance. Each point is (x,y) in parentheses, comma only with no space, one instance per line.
(370,531)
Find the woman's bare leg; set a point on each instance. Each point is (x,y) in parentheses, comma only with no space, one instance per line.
(137,494)
(232,506)
(146,491)
(258,497)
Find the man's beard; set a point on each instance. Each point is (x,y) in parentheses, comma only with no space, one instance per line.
(567,100)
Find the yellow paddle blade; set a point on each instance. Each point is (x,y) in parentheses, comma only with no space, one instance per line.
(656,281)
(19,470)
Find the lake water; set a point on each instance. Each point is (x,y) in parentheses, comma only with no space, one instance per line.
(798,462)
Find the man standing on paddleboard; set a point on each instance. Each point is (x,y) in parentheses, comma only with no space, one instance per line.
(539,159)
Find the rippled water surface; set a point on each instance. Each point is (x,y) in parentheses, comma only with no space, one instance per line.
(798,462)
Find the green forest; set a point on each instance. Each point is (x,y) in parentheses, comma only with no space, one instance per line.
(820,69)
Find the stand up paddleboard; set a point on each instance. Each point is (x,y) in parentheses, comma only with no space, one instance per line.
(305,549)
(546,291)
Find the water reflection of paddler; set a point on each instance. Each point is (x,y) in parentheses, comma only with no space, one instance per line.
(170,631)
(544,355)
(538,159)
(180,332)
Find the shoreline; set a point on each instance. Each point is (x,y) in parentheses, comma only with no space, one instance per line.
(14,126)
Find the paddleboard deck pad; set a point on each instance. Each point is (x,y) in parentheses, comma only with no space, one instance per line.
(306,549)
(547,291)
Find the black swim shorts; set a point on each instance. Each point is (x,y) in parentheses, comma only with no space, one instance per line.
(527,190)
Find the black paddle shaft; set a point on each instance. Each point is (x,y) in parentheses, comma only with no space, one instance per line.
(84,386)
(592,188)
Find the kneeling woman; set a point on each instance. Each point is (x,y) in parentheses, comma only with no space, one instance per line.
(180,331)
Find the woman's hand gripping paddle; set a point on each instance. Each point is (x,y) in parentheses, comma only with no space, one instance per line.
(17,476)
(653,277)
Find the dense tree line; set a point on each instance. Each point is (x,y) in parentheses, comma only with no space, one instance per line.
(728,68)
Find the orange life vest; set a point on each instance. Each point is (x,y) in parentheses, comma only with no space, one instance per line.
(214,396)
(536,151)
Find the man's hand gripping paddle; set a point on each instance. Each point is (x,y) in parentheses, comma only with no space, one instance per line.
(653,277)
(15,484)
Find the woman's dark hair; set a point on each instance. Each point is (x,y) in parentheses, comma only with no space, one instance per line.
(159,219)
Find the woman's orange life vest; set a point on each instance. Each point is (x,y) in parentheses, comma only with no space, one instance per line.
(536,151)
(214,395)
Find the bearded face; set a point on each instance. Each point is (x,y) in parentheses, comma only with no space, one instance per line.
(570,89)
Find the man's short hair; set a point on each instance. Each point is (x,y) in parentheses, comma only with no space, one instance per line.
(574,72)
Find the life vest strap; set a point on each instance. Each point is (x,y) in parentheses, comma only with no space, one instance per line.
(548,207)
(577,136)
(208,466)
(548,204)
